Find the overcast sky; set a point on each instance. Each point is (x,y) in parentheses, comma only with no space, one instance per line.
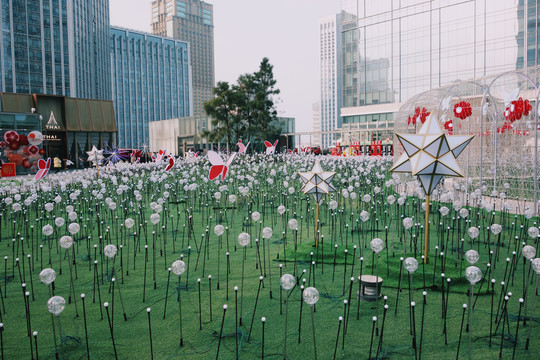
(285,31)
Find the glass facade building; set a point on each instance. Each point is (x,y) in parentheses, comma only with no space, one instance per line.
(191,21)
(57,47)
(330,71)
(150,82)
(395,49)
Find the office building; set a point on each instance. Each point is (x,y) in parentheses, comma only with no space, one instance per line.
(330,72)
(316,116)
(150,82)
(191,21)
(55,47)
(393,50)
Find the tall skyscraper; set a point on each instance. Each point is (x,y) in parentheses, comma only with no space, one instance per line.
(393,50)
(316,116)
(191,21)
(330,71)
(150,82)
(58,47)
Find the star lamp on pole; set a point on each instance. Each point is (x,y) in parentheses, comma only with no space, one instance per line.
(95,156)
(317,183)
(429,155)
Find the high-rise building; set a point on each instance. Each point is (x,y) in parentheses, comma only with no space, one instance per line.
(330,71)
(191,21)
(58,47)
(393,50)
(150,82)
(316,116)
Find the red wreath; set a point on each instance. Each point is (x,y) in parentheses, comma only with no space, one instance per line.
(462,110)
(517,109)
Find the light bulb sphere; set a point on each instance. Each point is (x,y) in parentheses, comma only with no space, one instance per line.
(473,232)
(59,221)
(154,218)
(281,209)
(110,251)
(533,232)
(444,210)
(47,276)
(463,213)
(267,233)
(410,264)
(255,216)
(287,282)
(74,228)
(244,239)
(49,207)
(310,295)
(407,223)
(364,216)
(333,204)
(473,274)
(391,199)
(528,252)
(128,223)
(536,265)
(377,245)
(232,198)
(47,230)
(472,256)
(219,229)
(496,229)
(293,224)
(66,241)
(178,267)
(72,216)
(56,305)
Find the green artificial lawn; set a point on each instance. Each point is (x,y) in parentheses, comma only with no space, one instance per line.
(202,327)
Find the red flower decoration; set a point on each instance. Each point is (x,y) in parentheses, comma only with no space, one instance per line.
(517,109)
(462,110)
(11,136)
(449,126)
(419,114)
(506,126)
(3,144)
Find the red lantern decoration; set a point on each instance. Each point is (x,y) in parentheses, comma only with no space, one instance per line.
(14,145)
(23,140)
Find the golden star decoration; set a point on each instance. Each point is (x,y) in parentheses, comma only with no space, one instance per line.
(317,181)
(430,154)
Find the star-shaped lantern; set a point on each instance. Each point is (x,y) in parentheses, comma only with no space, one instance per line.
(430,154)
(95,155)
(317,181)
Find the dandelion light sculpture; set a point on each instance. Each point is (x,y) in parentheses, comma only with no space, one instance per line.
(317,183)
(429,155)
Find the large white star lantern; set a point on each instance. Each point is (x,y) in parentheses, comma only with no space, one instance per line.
(95,155)
(430,154)
(317,182)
